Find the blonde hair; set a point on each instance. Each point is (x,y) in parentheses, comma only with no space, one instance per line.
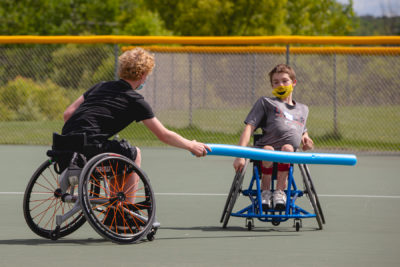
(135,63)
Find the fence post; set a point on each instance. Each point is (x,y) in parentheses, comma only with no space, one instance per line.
(173,80)
(335,127)
(190,89)
(155,88)
(203,64)
(287,54)
(253,80)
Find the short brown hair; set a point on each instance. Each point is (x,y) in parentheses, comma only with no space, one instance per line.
(282,68)
(133,64)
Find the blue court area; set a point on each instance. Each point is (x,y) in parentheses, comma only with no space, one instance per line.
(360,204)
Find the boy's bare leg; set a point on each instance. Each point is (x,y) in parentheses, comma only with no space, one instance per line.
(129,185)
(282,176)
(266,178)
(131,182)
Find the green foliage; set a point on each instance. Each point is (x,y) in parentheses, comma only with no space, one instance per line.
(223,17)
(323,17)
(71,71)
(172,17)
(14,62)
(22,99)
(369,25)
(255,17)
(77,17)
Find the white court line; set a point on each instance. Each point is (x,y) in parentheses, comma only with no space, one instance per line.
(322,195)
(360,196)
(217,194)
(11,193)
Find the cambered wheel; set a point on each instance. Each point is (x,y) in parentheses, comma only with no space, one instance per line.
(117,210)
(42,202)
(233,194)
(307,171)
(311,195)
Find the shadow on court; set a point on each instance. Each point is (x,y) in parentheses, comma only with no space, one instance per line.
(42,241)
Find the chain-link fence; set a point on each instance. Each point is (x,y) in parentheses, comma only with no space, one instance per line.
(205,93)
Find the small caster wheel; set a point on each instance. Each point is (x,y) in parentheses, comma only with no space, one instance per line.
(275,222)
(55,234)
(152,234)
(250,224)
(297,225)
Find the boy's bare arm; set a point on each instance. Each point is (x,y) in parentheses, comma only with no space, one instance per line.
(246,134)
(71,108)
(243,141)
(307,142)
(174,139)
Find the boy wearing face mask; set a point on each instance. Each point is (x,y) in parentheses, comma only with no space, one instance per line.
(283,124)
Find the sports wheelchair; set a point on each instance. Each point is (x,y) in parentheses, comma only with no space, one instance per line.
(255,209)
(67,190)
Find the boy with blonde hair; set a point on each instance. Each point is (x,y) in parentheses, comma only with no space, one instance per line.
(109,107)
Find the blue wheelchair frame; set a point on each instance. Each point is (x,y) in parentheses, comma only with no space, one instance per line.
(291,209)
(255,210)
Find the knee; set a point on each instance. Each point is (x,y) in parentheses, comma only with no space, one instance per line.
(287,148)
(268,147)
(267,164)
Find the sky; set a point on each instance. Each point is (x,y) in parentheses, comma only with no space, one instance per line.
(375,8)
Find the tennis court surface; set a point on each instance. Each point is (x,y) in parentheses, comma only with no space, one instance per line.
(361,205)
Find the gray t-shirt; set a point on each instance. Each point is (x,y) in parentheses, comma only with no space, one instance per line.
(281,123)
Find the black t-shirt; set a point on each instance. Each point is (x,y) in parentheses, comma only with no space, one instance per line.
(108,107)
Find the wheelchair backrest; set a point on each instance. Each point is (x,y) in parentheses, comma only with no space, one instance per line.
(67,148)
(73,142)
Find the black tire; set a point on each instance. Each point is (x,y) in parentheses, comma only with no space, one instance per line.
(250,226)
(297,225)
(42,202)
(233,194)
(105,203)
(315,193)
(311,196)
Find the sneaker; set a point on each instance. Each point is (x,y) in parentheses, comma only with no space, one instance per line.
(266,197)
(279,199)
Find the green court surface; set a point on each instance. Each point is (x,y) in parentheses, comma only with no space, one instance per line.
(361,205)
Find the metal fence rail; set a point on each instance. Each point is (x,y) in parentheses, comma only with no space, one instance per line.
(205,92)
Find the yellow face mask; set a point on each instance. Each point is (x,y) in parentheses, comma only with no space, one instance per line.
(282,91)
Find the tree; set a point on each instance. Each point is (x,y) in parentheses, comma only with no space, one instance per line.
(255,17)
(222,17)
(77,17)
(167,17)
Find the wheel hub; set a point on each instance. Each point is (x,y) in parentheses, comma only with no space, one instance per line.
(121,196)
(58,193)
